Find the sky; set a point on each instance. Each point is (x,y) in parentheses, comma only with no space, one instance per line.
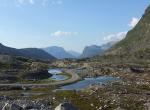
(72,24)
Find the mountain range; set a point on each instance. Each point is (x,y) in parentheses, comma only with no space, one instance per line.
(34,53)
(54,52)
(58,52)
(88,52)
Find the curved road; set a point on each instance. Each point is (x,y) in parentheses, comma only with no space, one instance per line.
(74,77)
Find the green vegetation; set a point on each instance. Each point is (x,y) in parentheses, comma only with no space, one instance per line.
(77,100)
(4,66)
(42,81)
(66,74)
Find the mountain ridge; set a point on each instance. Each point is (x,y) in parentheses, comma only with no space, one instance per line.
(58,52)
(74,53)
(34,53)
(94,50)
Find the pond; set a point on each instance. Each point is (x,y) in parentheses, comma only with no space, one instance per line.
(85,83)
(89,81)
(56,75)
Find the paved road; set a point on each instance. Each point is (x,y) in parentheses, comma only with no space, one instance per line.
(74,78)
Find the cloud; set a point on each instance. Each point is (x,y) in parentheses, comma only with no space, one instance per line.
(40,2)
(31,1)
(133,22)
(121,35)
(115,37)
(63,34)
(21,2)
(56,2)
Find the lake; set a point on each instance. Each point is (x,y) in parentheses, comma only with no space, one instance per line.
(85,83)
(89,81)
(56,75)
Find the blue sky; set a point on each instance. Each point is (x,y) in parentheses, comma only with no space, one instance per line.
(72,24)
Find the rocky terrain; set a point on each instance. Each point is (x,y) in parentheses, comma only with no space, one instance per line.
(128,60)
(131,92)
(7,103)
(16,69)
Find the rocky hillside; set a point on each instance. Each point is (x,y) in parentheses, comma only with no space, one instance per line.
(136,45)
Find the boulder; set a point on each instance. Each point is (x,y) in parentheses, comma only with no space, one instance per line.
(66,106)
(16,107)
(137,69)
(8,106)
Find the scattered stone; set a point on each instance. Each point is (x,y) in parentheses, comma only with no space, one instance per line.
(66,106)
(15,107)
(119,108)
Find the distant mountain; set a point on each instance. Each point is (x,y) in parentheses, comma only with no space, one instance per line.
(91,51)
(136,45)
(9,51)
(36,54)
(30,53)
(76,54)
(58,52)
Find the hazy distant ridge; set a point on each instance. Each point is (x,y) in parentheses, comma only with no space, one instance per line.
(28,52)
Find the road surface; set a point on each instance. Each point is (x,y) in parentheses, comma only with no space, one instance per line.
(74,77)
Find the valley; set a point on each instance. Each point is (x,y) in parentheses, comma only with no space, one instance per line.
(113,76)
(130,91)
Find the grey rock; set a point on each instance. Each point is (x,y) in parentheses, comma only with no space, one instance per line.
(15,107)
(66,106)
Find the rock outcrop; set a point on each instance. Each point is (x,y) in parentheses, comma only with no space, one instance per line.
(66,106)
